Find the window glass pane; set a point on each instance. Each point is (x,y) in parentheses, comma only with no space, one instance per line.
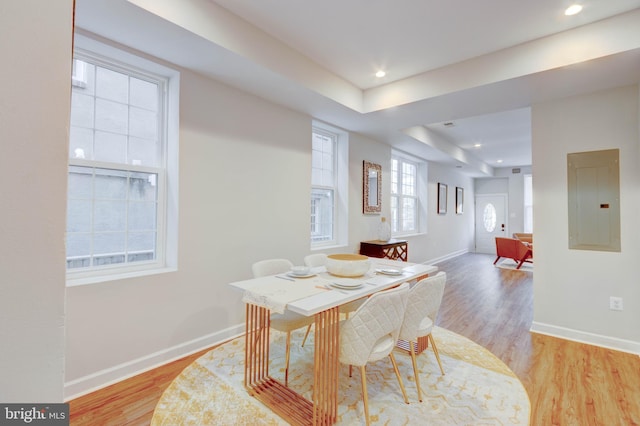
(110,147)
(80,143)
(143,152)
(394,176)
(78,246)
(143,123)
(408,214)
(142,216)
(79,216)
(321,215)
(83,79)
(112,85)
(142,187)
(108,247)
(82,110)
(144,94)
(109,215)
(80,182)
(408,179)
(111,116)
(394,214)
(489,218)
(110,184)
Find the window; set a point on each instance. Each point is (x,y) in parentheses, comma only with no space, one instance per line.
(407,209)
(328,186)
(117,213)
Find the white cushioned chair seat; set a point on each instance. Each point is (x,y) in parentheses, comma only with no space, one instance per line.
(289,321)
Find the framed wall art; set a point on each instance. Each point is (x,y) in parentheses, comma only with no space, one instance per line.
(459,199)
(442,198)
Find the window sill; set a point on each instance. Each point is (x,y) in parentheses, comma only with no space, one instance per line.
(405,236)
(327,247)
(74,282)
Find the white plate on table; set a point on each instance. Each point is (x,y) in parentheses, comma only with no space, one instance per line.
(347,286)
(293,275)
(389,271)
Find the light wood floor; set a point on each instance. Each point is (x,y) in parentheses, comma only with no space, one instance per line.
(568,383)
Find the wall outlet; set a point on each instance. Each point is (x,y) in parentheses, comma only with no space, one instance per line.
(615,303)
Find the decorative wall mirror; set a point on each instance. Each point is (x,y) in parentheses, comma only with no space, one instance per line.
(371,188)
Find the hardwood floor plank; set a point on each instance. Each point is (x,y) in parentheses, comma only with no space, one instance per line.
(568,383)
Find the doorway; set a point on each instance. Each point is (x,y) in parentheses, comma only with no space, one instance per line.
(490,221)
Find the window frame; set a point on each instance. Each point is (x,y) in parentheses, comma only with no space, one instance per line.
(120,60)
(419,198)
(340,188)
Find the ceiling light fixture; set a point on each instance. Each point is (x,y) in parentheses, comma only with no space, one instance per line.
(573,10)
(477,145)
(499,161)
(380,74)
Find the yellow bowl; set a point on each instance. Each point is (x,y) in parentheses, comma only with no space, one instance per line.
(348,265)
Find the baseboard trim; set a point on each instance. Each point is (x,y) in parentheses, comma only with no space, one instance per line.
(449,256)
(92,382)
(608,342)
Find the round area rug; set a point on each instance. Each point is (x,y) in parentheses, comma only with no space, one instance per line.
(477,389)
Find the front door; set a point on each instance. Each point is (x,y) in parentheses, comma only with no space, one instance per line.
(491,221)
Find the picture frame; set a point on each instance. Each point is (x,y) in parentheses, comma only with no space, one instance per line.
(459,200)
(371,188)
(442,198)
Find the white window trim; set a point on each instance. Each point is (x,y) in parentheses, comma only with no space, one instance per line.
(341,209)
(167,259)
(421,188)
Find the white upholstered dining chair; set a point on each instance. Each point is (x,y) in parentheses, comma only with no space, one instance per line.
(315,260)
(288,321)
(425,298)
(371,334)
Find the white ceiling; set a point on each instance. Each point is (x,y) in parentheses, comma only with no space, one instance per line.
(478,65)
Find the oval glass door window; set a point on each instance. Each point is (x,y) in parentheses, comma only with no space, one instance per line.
(489,218)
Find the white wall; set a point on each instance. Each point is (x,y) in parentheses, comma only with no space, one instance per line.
(572,287)
(35,40)
(447,234)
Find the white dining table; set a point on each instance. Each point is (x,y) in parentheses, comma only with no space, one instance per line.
(320,296)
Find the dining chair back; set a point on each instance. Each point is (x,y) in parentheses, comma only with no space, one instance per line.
(371,334)
(288,321)
(425,298)
(315,260)
(271,267)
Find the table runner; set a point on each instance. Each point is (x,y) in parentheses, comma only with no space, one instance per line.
(275,293)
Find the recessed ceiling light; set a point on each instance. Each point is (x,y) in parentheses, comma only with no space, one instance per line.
(380,74)
(499,161)
(573,10)
(477,145)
